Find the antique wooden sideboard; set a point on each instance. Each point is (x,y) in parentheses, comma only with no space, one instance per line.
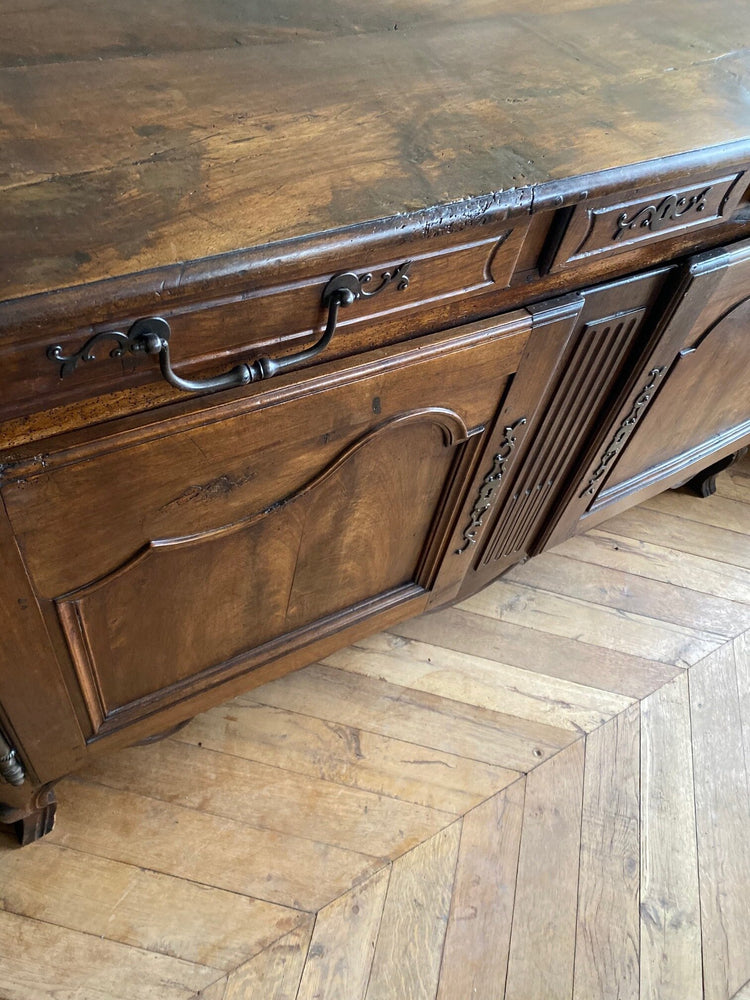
(318,315)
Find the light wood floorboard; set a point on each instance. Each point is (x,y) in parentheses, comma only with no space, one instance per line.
(607,927)
(722,801)
(670,899)
(541,794)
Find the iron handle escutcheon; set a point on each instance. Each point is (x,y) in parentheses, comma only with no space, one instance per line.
(151,336)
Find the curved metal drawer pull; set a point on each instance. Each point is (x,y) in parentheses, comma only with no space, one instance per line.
(151,336)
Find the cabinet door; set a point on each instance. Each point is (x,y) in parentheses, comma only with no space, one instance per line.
(688,404)
(575,356)
(190,558)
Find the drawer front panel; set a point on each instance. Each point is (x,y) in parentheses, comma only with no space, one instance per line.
(614,225)
(264,311)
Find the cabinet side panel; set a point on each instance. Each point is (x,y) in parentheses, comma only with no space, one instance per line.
(35,703)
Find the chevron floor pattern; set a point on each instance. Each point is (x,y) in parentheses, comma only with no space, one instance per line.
(541,794)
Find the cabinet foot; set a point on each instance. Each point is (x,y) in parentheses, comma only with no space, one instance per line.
(704,484)
(35,821)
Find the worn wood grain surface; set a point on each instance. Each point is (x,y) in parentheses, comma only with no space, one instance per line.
(136,137)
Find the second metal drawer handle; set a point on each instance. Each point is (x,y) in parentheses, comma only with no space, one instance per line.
(151,336)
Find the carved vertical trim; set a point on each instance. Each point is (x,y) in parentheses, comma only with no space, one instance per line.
(599,349)
(624,431)
(80,652)
(488,489)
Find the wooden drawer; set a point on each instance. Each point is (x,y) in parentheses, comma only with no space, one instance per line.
(263,304)
(617,223)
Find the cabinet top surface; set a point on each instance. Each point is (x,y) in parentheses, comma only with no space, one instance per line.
(138,135)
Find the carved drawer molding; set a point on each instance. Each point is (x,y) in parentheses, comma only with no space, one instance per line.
(612,225)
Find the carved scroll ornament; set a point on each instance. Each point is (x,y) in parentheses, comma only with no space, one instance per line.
(668,210)
(488,490)
(624,431)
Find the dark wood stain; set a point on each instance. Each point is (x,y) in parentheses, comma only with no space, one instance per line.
(190,128)
(551,205)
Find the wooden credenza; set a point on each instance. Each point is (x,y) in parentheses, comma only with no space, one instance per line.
(218,471)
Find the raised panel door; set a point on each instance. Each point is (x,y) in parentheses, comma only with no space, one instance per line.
(179,562)
(688,401)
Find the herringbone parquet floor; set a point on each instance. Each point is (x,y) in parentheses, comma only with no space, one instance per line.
(541,794)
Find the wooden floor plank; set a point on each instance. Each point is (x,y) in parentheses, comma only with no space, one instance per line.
(145,909)
(475,957)
(722,803)
(549,655)
(287,802)
(670,907)
(424,719)
(597,625)
(347,755)
(741,648)
(734,484)
(623,591)
(603,547)
(274,974)
(478,681)
(43,960)
(743,994)
(540,966)
(269,798)
(343,943)
(216,991)
(295,872)
(730,515)
(607,934)
(415,915)
(683,535)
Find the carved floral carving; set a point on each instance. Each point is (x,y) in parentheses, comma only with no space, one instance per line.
(624,431)
(668,210)
(490,483)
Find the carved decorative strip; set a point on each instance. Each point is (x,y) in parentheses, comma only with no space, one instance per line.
(584,381)
(658,216)
(624,431)
(490,483)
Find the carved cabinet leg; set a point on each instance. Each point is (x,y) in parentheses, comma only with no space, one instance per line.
(704,484)
(34,821)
